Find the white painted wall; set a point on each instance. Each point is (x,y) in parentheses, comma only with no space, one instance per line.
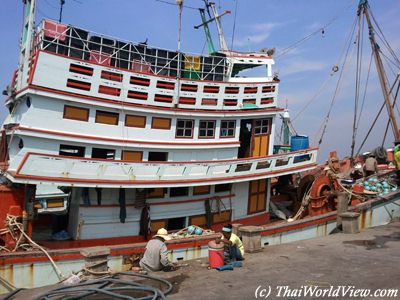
(101,222)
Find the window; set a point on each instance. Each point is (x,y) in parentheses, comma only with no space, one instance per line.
(262,126)
(156,193)
(179,191)
(103,153)
(132,155)
(111,76)
(135,121)
(106,117)
(76,113)
(176,223)
(68,150)
(223,187)
(169,224)
(158,156)
(81,69)
(199,220)
(161,123)
(157,224)
(77,84)
(109,90)
(207,129)
(201,190)
(184,128)
(228,129)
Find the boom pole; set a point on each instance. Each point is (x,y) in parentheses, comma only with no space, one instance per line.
(363,8)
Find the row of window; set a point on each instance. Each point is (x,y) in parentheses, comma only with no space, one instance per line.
(184,191)
(161,84)
(199,220)
(102,153)
(184,127)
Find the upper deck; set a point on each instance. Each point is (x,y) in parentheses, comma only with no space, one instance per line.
(73,60)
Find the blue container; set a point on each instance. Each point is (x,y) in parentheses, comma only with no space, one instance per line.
(299,142)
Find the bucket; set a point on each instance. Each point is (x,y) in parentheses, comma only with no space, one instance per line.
(390,156)
(215,254)
(299,142)
(358,188)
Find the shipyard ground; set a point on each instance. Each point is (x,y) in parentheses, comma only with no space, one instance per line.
(367,260)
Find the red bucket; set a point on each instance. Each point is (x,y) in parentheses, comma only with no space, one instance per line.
(358,188)
(215,254)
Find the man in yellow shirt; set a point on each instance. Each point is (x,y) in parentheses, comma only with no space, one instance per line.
(234,249)
(396,158)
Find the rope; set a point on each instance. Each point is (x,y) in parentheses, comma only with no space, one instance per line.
(170,3)
(306,38)
(8,285)
(373,123)
(357,83)
(350,192)
(234,23)
(12,227)
(365,90)
(302,208)
(318,93)
(386,43)
(326,120)
(388,122)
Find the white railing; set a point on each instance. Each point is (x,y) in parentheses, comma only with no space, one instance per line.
(97,172)
(78,43)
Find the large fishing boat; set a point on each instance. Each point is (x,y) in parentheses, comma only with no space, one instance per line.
(108,140)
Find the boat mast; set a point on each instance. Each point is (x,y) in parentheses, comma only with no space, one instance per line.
(26,42)
(210,44)
(363,8)
(217,17)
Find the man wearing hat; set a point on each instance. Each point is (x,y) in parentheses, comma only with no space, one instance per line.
(155,257)
(234,249)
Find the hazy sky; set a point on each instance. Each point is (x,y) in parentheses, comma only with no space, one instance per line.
(305,72)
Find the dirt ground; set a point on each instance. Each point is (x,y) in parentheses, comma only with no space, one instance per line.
(367,260)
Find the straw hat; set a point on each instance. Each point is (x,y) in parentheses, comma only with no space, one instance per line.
(163,233)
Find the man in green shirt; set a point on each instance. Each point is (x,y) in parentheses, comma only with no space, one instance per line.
(234,249)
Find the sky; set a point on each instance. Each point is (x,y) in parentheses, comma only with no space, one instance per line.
(307,81)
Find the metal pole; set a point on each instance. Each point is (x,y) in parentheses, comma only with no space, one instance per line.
(178,70)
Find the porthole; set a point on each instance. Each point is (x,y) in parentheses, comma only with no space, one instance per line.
(28,101)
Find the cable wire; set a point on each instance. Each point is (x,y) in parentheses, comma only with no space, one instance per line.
(234,23)
(307,37)
(326,120)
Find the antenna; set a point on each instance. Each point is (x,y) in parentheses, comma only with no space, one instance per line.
(62,2)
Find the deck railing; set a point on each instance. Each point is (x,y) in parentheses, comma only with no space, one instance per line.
(81,44)
(101,172)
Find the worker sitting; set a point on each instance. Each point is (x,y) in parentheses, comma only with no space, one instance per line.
(233,250)
(155,256)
